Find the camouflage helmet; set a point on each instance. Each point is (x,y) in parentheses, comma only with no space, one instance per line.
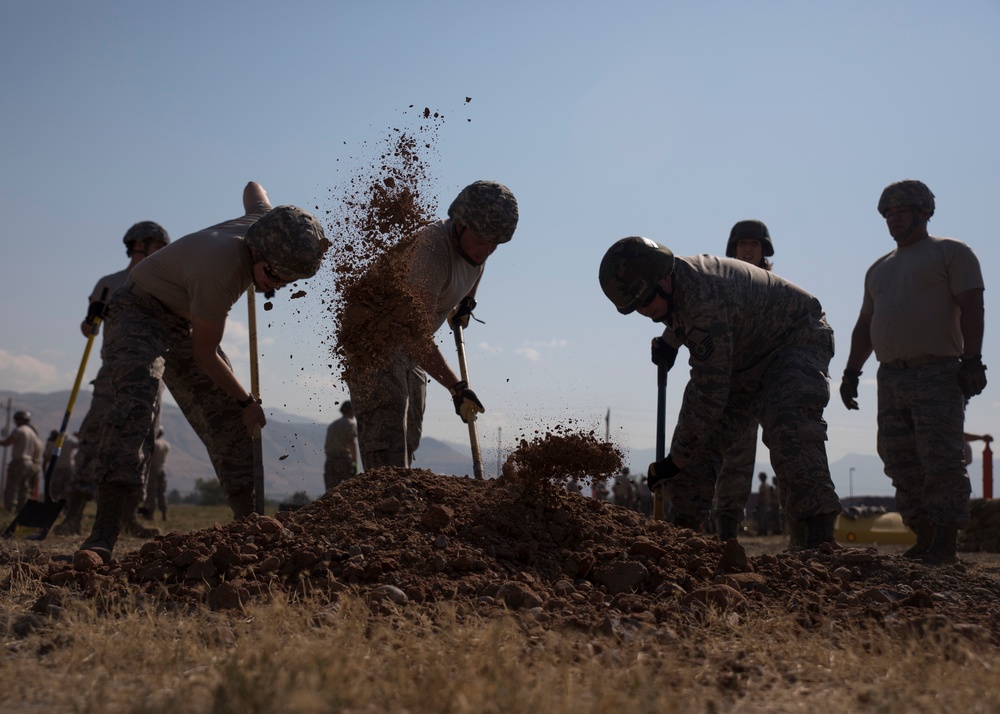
(22,416)
(145,231)
(488,209)
(290,240)
(750,230)
(631,269)
(906,193)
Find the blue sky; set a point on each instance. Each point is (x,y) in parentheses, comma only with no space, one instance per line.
(665,119)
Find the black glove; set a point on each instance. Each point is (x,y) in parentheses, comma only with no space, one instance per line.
(660,472)
(972,375)
(663,355)
(467,404)
(849,388)
(95,311)
(461,314)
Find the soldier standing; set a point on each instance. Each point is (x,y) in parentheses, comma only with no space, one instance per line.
(763,508)
(25,462)
(63,470)
(444,264)
(922,316)
(141,240)
(760,347)
(341,448)
(156,485)
(167,321)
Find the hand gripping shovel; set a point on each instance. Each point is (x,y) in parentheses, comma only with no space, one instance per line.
(258,447)
(35,518)
(477,456)
(661,437)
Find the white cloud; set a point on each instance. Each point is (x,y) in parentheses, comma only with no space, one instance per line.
(529,353)
(23,373)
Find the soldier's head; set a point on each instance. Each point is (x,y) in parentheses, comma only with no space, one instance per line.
(22,417)
(750,242)
(286,244)
(907,206)
(485,215)
(145,238)
(347,409)
(635,275)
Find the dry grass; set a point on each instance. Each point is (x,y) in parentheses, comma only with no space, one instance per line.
(145,657)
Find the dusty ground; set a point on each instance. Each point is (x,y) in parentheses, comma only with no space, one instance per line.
(397,538)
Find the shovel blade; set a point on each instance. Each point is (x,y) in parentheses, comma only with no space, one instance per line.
(34,520)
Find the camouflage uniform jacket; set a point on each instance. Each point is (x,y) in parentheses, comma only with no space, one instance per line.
(733,318)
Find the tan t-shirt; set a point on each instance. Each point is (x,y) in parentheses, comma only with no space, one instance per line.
(110,283)
(438,268)
(202,274)
(910,294)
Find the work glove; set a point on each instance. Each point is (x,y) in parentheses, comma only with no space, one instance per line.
(663,354)
(849,388)
(467,404)
(96,310)
(461,314)
(660,472)
(972,375)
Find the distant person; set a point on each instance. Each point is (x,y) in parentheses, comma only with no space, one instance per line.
(775,508)
(759,348)
(623,490)
(442,270)
(63,471)
(167,321)
(721,481)
(341,448)
(762,511)
(967,438)
(922,315)
(142,239)
(25,462)
(156,486)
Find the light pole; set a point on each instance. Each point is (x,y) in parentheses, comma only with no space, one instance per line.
(850,481)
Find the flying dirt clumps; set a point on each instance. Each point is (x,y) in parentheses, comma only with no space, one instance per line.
(561,457)
(375,209)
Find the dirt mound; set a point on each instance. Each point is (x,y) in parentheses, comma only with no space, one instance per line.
(400,537)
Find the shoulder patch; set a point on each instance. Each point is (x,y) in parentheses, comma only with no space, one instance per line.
(700,344)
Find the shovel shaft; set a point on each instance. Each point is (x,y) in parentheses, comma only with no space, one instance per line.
(477,456)
(258,446)
(661,435)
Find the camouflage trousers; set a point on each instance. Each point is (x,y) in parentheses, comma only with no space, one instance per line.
(921,419)
(144,343)
(156,492)
(22,477)
(83,480)
(717,483)
(336,470)
(788,396)
(389,406)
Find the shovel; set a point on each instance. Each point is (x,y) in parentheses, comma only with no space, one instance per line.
(35,518)
(477,456)
(258,446)
(661,437)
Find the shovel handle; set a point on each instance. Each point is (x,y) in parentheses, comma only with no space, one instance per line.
(477,456)
(661,435)
(258,447)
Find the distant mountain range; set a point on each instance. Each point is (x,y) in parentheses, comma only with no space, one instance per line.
(293,449)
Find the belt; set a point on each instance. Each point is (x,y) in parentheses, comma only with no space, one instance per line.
(917,362)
